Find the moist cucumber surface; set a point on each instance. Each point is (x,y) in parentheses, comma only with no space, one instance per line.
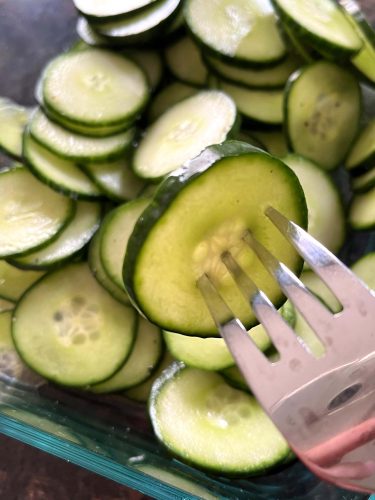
(223,429)
(70,330)
(170,247)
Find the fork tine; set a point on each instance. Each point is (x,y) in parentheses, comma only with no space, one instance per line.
(342,282)
(282,335)
(308,305)
(249,358)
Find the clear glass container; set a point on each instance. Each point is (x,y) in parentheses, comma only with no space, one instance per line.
(111,435)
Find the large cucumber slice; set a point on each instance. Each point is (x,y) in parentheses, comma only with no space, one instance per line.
(13,119)
(94,87)
(184,131)
(203,420)
(14,282)
(77,147)
(322,111)
(70,330)
(231,185)
(240,30)
(69,242)
(31,214)
(322,24)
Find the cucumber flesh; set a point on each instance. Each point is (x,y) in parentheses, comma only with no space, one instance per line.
(14,282)
(170,248)
(31,214)
(13,119)
(141,362)
(70,330)
(184,61)
(362,210)
(223,429)
(109,8)
(364,181)
(238,29)
(184,131)
(151,63)
(69,242)
(167,97)
(362,153)
(322,111)
(273,140)
(364,268)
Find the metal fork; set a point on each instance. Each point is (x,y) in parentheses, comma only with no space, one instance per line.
(325,407)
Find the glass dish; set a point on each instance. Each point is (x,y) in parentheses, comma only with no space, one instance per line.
(110,435)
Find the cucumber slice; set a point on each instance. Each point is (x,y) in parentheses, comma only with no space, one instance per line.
(324,205)
(61,175)
(6,305)
(151,63)
(362,153)
(87,34)
(170,248)
(235,378)
(167,97)
(141,392)
(81,336)
(239,30)
(115,179)
(273,140)
(184,61)
(264,107)
(13,119)
(141,363)
(143,27)
(114,235)
(204,421)
(184,131)
(364,181)
(100,274)
(211,353)
(364,268)
(14,282)
(94,87)
(12,367)
(322,24)
(99,10)
(362,210)
(69,242)
(31,214)
(268,78)
(322,111)
(78,147)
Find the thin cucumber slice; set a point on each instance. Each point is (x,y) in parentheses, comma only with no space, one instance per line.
(322,109)
(362,153)
(13,119)
(364,268)
(70,330)
(170,248)
(324,205)
(141,363)
(69,242)
(14,282)
(239,30)
(99,10)
(184,131)
(141,392)
(95,87)
(60,174)
(362,210)
(204,421)
(273,140)
(12,368)
(142,27)
(267,78)
(210,353)
(100,274)
(322,24)
(263,107)
(184,61)
(115,179)
(114,235)
(364,181)
(31,214)
(167,97)
(78,147)
(6,305)
(151,63)
(87,34)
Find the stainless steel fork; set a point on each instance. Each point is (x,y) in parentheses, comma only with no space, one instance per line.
(325,407)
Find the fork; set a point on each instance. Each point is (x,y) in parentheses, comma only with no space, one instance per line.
(324,406)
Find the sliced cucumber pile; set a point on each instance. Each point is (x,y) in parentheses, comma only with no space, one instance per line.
(129,187)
